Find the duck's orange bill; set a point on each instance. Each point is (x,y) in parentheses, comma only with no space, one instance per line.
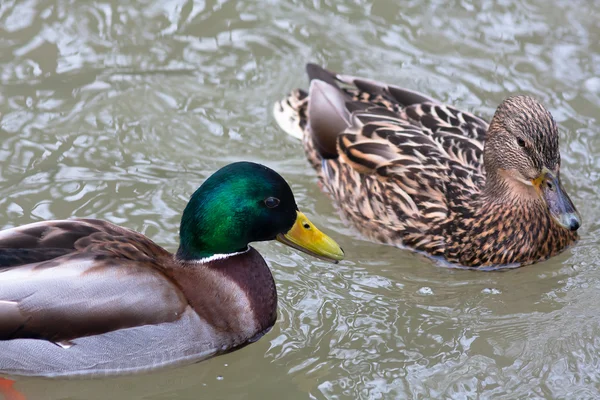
(304,236)
(551,190)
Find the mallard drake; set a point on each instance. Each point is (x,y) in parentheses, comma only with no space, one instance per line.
(87,297)
(407,170)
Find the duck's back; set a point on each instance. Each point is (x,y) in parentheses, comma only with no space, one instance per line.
(399,164)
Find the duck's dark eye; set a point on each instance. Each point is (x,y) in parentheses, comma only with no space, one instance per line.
(520,142)
(271,202)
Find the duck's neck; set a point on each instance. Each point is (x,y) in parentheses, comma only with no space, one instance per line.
(501,189)
(199,244)
(188,258)
(234,293)
(507,225)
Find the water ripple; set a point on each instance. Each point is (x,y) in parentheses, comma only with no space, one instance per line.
(119,110)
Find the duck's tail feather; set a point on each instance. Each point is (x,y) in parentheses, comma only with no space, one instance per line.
(290,113)
(316,72)
(327,109)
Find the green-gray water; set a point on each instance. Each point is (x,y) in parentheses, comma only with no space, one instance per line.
(119,110)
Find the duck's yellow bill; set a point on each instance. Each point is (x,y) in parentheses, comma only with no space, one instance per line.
(304,236)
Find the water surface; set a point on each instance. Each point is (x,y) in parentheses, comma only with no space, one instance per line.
(120,109)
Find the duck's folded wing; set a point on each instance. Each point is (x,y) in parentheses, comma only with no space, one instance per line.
(43,241)
(402,121)
(82,296)
(81,293)
(379,137)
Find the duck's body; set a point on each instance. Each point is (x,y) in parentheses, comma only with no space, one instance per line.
(147,308)
(87,297)
(410,171)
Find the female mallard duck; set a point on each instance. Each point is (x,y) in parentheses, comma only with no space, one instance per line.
(409,170)
(87,297)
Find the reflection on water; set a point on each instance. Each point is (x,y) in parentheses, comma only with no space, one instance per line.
(120,109)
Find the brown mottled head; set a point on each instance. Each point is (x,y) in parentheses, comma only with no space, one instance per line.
(521,153)
(523,138)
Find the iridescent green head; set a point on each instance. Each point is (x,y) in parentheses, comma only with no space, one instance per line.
(242,203)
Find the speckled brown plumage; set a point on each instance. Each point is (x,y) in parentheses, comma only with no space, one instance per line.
(407,170)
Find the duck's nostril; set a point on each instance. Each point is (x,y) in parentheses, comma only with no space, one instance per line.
(574,225)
